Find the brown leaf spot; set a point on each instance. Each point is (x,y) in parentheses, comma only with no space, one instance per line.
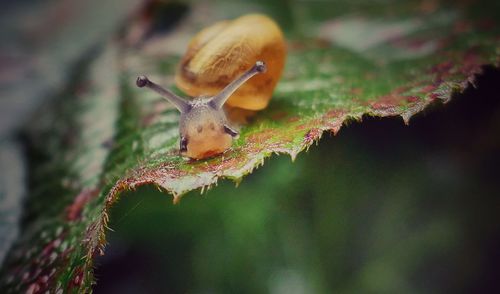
(33,288)
(279,115)
(334,113)
(382,105)
(76,281)
(262,136)
(73,212)
(356,91)
(471,62)
(309,124)
(412,99)
(442,70)
(312,135)
(434,96)
(428,89)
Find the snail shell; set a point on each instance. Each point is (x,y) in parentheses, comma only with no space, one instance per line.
(218,54)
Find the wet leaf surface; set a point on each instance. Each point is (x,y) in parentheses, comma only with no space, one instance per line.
(104,136)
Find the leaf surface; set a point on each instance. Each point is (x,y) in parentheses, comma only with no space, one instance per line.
(105,136)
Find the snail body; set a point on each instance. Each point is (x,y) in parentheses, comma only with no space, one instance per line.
(218,69)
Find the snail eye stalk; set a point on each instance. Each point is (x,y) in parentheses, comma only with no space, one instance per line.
(181,104)
(218,100)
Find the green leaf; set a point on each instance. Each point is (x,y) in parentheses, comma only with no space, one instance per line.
(105,136)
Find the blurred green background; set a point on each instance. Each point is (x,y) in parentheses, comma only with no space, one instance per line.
(380,208)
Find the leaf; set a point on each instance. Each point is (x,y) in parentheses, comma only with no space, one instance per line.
(105,136)
(346,68)
(65,175)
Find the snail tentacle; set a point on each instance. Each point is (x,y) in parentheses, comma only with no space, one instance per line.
(218,100)
(230,131)
(182,105)
(183,144)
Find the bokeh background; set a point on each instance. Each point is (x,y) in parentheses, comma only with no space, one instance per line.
(380,208)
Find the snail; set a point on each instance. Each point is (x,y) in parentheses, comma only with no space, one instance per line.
(203,125)
(218,70)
